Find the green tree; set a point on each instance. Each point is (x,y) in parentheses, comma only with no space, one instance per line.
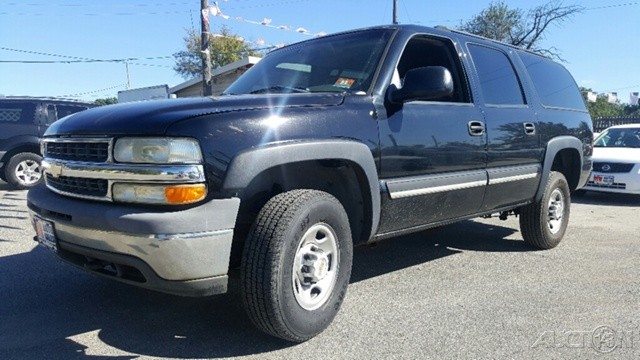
(224,47)
(632,110)
(106,101)
(602,107)
(525,29)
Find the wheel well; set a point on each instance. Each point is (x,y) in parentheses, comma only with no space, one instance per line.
(567,162)
(343,179)
(30,148)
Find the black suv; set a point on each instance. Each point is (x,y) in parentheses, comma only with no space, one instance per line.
(23,120)
(323,145)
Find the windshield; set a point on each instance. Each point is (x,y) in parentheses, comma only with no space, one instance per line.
(339,63)
(619,137)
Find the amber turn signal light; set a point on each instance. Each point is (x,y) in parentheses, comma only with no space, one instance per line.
(185,194)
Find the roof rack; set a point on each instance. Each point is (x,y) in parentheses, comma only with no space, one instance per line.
(445,28)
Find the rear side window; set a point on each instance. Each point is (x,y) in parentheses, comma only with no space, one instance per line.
(498,79)
(553,83)
(65,110)
(17,112)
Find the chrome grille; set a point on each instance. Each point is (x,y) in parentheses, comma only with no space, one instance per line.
(79,186)
(81,151)
(612,167)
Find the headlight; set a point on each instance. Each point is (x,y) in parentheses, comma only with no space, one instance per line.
(157,150)
(159,194)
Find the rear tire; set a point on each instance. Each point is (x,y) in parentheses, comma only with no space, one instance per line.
(543,223)
(296,264)
(24,170)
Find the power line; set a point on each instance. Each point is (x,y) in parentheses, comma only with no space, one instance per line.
(130,13)
(623,88)
(105,61)
(93,91)
(78,59)
(613,6)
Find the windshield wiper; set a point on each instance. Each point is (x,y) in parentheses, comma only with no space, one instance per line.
(280,89)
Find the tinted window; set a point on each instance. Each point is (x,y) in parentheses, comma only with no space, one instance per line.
(498,80)
(65,110)
(552,81)
(422,51)
(17,112)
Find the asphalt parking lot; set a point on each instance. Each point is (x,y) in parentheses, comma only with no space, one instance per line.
(470,290)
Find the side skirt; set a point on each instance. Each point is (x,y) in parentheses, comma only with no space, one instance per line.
(413,229)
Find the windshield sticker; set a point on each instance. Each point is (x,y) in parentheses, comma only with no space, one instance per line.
(344,83)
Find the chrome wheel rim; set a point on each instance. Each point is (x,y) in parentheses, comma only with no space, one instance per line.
(555,213)
(28,172)
(315,266)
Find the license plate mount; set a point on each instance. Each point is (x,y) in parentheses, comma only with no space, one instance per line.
(45,233)
(604,180)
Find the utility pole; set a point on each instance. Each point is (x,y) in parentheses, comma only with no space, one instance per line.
(395,12)
(204,48)
(126,66)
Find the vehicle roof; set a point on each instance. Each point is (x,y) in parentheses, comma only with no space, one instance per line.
(436,30)
(47,99)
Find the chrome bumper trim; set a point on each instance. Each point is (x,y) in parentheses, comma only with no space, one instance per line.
(125,172)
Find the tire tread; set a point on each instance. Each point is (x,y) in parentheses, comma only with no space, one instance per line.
(261,255)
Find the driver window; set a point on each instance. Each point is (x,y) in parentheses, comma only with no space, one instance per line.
(424,51)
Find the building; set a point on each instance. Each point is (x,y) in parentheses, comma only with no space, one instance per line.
(221,78)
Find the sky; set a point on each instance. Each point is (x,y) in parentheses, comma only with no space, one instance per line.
(600,46)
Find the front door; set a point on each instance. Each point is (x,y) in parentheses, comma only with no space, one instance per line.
(433,153)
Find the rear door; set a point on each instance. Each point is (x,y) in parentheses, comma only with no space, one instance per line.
(513,144)
(17,123)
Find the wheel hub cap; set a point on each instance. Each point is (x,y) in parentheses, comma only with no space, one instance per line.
(315,267)
(28,172)
(555,211)
(315,264)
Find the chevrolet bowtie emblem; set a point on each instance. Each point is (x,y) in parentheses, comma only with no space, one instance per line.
(54,170)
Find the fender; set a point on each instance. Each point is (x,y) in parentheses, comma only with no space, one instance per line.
(247,165)
(8,145)
(554,146)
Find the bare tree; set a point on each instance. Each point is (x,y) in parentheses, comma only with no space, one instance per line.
(521,28)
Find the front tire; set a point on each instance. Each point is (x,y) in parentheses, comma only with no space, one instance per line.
(543,223)
(296,264)
(24,170)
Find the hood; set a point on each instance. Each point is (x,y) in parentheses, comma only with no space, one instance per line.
(155,117)
(616,155)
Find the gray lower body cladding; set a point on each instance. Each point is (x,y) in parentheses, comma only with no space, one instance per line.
(183,252)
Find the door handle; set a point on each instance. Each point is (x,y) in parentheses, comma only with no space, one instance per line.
(529,128)
(476,128)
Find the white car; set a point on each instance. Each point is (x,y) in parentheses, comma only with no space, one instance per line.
(616,160)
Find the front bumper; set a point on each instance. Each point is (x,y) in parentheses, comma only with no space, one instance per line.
(624,183)
(183,252)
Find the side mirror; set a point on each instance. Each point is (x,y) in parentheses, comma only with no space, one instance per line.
(425,83)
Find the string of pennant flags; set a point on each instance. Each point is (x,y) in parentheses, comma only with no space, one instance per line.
(261,43)
(612,97)
(214,10)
